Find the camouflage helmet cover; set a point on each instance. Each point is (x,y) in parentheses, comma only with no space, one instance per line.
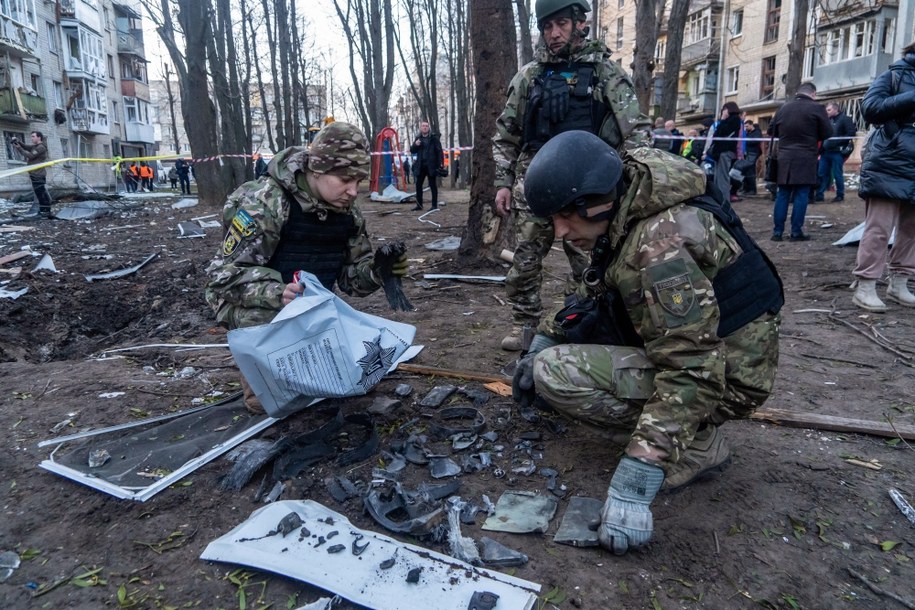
(546,8)
(340,149)
(569,169)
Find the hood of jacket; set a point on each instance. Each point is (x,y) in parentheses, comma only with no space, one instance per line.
(656,181)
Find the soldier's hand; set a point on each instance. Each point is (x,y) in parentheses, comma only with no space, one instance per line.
(626,520)
(503,201)
(400,266)
(291,291)
(523,381)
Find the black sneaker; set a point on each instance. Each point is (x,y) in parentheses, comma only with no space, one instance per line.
(776,237)
(819,198)
(838,199)
(799,237)
(417,208)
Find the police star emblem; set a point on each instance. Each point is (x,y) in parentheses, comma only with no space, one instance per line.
(375,363)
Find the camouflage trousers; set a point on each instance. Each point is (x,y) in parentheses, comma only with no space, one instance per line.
(535,237)
(609,387)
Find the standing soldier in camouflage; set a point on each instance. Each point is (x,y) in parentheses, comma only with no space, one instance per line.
(300,215)
(675,326)
(571,84)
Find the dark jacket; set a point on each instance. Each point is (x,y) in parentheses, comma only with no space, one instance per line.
(887,170)
(800,125)
(728,128)
(428,153)
(182,167)
(35,154)
(754,142)
(842,127)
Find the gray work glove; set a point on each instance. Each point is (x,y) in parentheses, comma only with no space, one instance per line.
(626,519)
(523,379)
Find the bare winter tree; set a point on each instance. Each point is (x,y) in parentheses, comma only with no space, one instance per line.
(461,87)
(648,15)
(676,23)
(422,68)
(167,75)
(796,47)
(525,42)
(223,61)
(369,29)
(190,64)
(492,36)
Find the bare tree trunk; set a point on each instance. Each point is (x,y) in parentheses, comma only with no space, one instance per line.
(524,20)
(223,62)
(171,106)
(282,41)
(646,37)
(796,48)
(281,141)
(246,91)
(492,33)
(261,89)
(676,23)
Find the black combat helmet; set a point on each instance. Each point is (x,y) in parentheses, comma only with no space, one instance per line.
(547,8)
(570,169)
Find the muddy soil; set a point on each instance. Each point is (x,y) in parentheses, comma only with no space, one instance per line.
(801,519)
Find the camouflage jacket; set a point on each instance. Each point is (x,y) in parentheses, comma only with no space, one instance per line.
(668,254)
(239,276)
(624,122)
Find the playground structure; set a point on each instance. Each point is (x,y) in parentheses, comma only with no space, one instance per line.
(387,162)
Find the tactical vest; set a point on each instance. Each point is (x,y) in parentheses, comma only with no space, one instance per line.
(314,245)
(547,116)
(745,289)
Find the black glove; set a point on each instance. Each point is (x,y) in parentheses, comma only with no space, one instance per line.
(523,381)
(555,97)
(391,265)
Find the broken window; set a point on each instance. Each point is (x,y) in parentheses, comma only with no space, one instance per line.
(773,18)
(767,78)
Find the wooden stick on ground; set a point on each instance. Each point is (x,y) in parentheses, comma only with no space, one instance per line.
(878,591)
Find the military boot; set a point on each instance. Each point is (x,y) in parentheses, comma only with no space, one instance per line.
(252,402)
(899,290)
(33,212)
(708,454)
(866,296)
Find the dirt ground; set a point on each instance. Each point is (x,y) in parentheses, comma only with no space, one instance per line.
(793,523)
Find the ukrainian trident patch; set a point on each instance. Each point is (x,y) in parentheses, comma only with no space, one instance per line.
(675,294)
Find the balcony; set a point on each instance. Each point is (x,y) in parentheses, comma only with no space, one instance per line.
(703,103)
(135,88)
(699,52)
(21,107)
(140,132)
(86,120)
(129,44)
(16,38)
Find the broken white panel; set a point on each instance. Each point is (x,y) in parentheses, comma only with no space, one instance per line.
(184,203)
(452,242)
(209,224)
(854,236)
(121,272)
(452,276)
(46,263)
(120,481)
(190,229)
(84,210)
(12,294)
(444,582)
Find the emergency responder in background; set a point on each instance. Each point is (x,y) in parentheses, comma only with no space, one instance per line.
(674,330)
(300,215)
(571,84)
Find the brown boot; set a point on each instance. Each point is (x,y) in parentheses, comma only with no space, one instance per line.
(252,403)
(706,455)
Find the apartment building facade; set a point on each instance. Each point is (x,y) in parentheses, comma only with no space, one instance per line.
(737,50)
(73,70)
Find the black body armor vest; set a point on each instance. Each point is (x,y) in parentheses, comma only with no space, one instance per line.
(314,245)
(561,99)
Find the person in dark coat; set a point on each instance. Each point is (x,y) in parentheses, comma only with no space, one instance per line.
(754,152)
(799,126)
(888,186)
(723,149)
(835,151)
(429,157)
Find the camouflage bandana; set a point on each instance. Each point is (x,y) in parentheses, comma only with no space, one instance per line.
(340,149)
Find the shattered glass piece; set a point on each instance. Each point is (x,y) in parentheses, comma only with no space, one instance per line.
(415,454)
(403,390)
(485,458)
(521,512)
(84,210)
(394,462)
(497,554)
(580,522)
(478,396)
(46,263)
(437,395)
(490,436)
(384,406)
(443,467)
(462,441)
(526,467)
(452,242)
(9,562)
(98,458)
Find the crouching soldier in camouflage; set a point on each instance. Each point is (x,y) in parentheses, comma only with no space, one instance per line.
(571,84)
(300,215)
(673,331)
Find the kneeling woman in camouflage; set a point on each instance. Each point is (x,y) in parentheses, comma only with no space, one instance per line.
(675,327)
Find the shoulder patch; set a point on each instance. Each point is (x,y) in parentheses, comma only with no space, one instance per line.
(230,243)
(673,290)
(244,224)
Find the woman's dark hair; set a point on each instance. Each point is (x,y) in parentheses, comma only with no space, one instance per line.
(732,108)
(909,48)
